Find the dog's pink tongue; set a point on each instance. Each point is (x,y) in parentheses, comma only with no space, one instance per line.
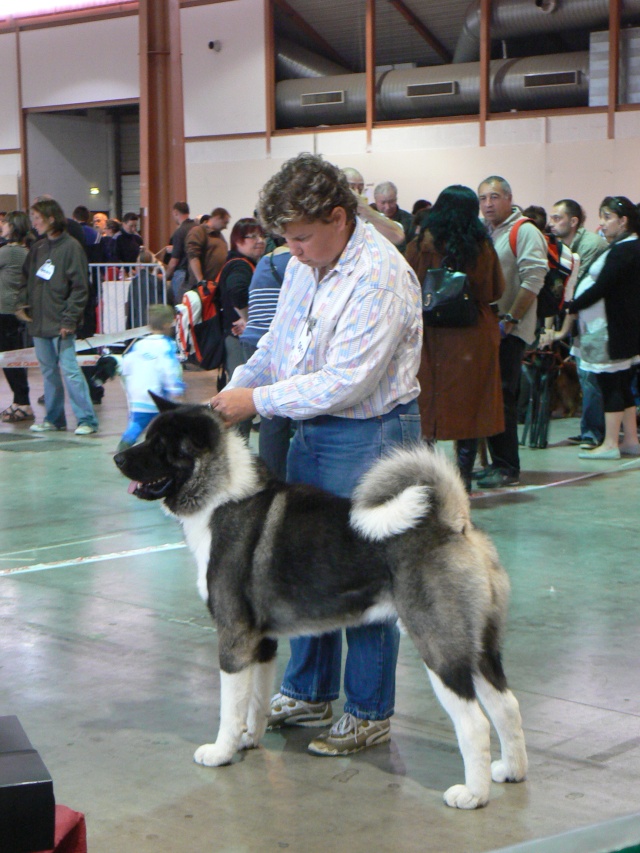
(132,487)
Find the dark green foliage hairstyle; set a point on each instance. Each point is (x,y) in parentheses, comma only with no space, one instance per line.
(455,226)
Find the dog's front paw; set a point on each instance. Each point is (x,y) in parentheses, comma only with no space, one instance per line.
(461,797)
(212,755)
(503,772)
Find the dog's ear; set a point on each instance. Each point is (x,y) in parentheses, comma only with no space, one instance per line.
(163,404)
(204,433)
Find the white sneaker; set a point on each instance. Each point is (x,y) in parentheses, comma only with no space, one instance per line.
(86,429)
(46,426)
(350,734)
(295,712)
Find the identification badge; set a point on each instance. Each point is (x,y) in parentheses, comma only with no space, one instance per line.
(304,341)
(300,349)
(46,270)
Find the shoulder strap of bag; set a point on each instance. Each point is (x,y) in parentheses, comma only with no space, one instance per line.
(274,271)
(231,261)
(513,234)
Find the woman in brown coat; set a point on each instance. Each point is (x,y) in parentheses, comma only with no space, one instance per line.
(461,396)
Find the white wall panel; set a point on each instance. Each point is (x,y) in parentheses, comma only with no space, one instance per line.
(516,131)
(81,63)
(233,183)
(342,143)
(284,147)
(627,125)
(571,129)
(224,92)
(9,126)
(9,172)
(225,150)
(450,135)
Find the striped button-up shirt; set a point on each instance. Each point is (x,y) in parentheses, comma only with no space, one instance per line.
(348,345)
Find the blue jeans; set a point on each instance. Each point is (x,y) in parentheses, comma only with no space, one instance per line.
(273,444)
(178,288)
(274,435)
(592,420)
(58,362)
(333,454)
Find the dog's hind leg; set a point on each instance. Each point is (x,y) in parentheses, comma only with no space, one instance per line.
(504,712)
(501,705)
(264,673)
(472,730)
(236,690)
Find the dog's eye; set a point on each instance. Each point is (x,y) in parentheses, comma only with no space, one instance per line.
(184,451)
(158,445)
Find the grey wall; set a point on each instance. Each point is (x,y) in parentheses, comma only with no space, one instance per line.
(68,154)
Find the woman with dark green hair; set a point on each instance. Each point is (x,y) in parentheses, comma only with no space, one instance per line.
(461,392)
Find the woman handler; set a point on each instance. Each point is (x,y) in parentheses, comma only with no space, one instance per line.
(340,359)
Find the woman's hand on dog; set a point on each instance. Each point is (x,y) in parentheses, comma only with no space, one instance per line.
(234,405)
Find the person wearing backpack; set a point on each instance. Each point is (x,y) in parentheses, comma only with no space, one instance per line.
(524,273)
(560,261)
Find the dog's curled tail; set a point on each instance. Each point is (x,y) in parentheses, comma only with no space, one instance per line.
(403,488)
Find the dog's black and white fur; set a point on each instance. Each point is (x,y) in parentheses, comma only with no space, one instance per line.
(280,560)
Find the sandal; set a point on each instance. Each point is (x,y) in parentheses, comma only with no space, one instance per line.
(16,414)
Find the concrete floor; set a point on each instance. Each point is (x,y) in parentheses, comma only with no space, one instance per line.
(109,661)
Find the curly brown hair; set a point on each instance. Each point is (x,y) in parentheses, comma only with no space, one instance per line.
(306,188)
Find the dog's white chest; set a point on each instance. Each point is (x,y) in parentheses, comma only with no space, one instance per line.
(198,536)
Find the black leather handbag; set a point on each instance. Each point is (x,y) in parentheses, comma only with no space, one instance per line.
(447,300)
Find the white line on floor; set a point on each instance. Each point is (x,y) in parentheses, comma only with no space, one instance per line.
(95,558)
(518,490)
(173,546)
(8,554)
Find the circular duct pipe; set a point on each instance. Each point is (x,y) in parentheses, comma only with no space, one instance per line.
(536,82)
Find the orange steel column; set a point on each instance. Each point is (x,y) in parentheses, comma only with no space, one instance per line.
(162,161)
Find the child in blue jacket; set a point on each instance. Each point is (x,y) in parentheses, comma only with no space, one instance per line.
(151,365)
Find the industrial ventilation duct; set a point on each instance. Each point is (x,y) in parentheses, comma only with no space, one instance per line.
(526,83)
(515,18)
(295,61)
(542,82)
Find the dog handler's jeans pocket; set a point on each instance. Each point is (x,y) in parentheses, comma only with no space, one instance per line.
(410,428)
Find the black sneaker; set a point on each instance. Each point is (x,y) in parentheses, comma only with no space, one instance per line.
(575,439)
(497,479)
(588,444)
(479,473)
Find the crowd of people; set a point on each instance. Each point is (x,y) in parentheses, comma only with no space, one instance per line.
(469,375)
(328,339)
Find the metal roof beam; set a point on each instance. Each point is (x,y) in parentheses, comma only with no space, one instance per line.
(306,27)
(422,31)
